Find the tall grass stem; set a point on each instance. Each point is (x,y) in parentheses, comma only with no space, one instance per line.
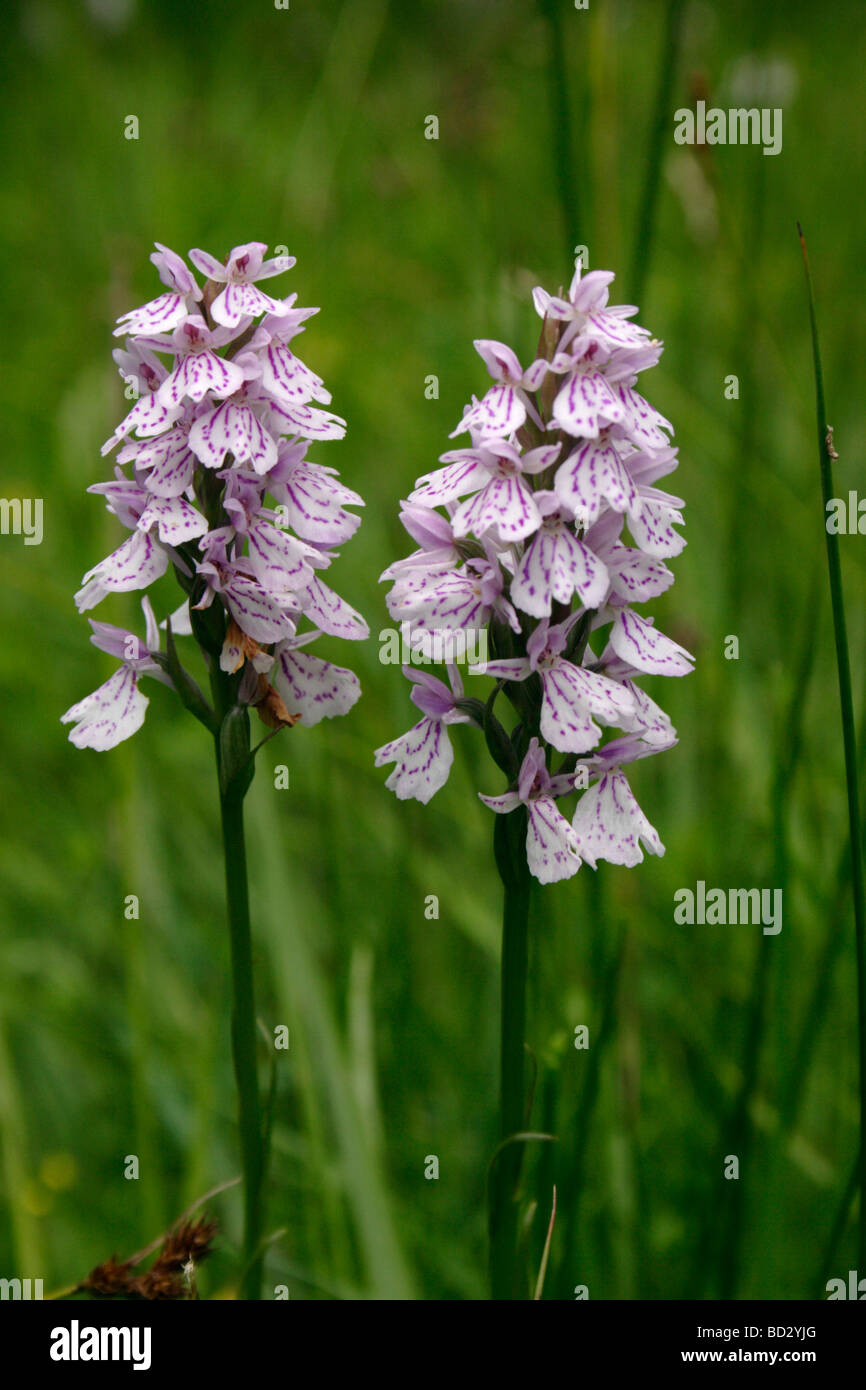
(826,456)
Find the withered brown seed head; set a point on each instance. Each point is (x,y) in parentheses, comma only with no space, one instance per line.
(109,1279)
(191,1240)
(271,709)
(159,1284)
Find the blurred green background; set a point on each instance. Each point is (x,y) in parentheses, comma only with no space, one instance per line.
(305,127)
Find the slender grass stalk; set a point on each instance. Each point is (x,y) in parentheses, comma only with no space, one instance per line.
(364,1227)
(661,115)
(25,1235)
(542,1272)
(630,1103)
(509,839)
(739,1131)
(840,1224)
(749,354)
(826,455)
(819,999)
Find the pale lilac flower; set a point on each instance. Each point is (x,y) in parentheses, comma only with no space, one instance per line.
(609,823)
(594,476)
(240,298)
(198,369)
(506,405)
(573,697)
(586,402)
(556,565)
(464,473)
(165,465)
(506,504)
(438,550)
(232,427)
(116,710)
(424,755)
(633,576)
(456,599)
(636,640)
(134,565)
(552,847)
(591,323)
(312,688)
(332,613)
(313,500)
(165,313)
(307,421)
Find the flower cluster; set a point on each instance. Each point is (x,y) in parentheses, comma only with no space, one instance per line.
(213,478)
(520,539)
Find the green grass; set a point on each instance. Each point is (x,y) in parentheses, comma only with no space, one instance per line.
(306,128)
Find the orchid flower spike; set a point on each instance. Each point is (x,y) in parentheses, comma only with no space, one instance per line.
(524,555)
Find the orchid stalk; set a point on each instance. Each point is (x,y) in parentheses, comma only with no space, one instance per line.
(521,553)
(213,482)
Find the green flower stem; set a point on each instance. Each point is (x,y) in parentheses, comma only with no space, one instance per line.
(510,851)
(243,1026)
(826,455)
(244,1039)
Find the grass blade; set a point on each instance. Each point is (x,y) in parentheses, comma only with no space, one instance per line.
(826,457)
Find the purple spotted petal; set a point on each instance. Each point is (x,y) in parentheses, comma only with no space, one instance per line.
(652,526)
(592,475)
(554,566)
(331,613)
(233,429)
(307,421)
(313,688)
(161,315)
(509,801)
(498,414)
(238,301)
(500,360)
(505,505)
(649,721)
(149,416)
(610,825)
(255,612)
(572,696)
(176,520)
(644,647)
(288,379)
(198,373)
(208,265)
(170,461)
(509,668)
(465,475)
(552,849)
(453,600)
(280,562)
(111,714)
(134,565)
(585,404)
(643,424)
(636,577)
(314,505)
